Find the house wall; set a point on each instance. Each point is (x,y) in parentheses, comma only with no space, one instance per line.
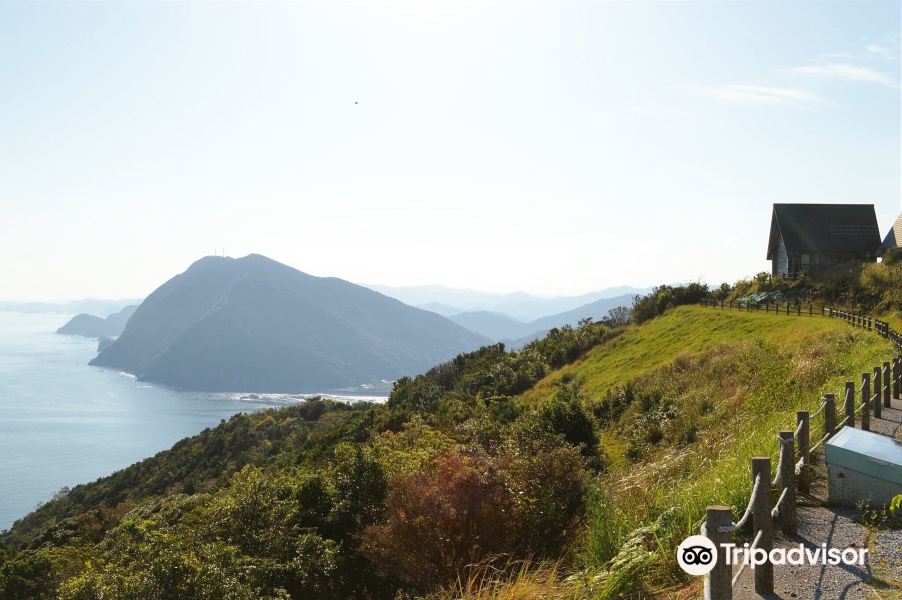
(780,264)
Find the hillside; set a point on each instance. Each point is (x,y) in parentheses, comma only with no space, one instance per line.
(86,325)
(252,324)
(595,449)
(519,306)
(684,401)
(500,327)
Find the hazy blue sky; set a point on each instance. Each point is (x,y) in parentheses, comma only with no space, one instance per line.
(550,147)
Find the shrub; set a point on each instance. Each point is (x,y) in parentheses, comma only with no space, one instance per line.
(467,506)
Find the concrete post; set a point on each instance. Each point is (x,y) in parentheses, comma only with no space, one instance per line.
(849,404)
(829,414)
(802,424)
(719,582)
(886,386)
(875,397)
(761,519)
(788,522)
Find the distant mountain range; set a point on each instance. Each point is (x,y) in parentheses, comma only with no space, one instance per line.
(501,327)
(255,325)
(91,306)
(519,306)
(98,327)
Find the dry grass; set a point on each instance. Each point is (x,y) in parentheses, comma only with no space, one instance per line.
(521,581)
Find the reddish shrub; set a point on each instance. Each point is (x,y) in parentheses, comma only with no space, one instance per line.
(466,506)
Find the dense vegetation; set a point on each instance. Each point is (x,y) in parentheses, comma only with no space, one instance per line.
(874,288)
(569,468)
(329,500)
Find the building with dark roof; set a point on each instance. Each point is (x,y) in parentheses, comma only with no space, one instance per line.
(893,239)
(807,237)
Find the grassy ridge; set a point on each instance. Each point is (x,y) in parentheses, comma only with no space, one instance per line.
(684,330)
(689,398)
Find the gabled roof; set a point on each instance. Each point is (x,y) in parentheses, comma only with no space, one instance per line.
(834,228)
(893,237)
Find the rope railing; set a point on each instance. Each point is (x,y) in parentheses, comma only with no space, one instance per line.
(818,411)
(776,509)
(781,463)
(842,424)
(748,511)
(821,441)
(744,564)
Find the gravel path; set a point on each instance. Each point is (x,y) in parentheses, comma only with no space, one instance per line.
(890,422)
(838,528)
(879,579)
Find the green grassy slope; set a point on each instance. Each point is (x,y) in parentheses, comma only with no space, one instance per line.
(685,401)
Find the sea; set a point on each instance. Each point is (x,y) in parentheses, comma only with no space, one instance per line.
(63,423)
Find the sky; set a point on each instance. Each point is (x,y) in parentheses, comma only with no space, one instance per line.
(554,148)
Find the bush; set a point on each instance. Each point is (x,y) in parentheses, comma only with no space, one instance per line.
(467,506)
(665,297)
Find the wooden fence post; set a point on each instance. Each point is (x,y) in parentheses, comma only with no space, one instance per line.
(719,582)
(865,412)
(870,324)
(802,425)
(829,414)
(761,519)
(886,386)
(849,404)
(896,370)
(788,522)
(875,397)
(866,388)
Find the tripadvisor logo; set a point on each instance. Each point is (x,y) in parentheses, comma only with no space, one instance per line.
(697,555)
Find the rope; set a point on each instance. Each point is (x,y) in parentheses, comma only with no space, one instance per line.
(783,444)
(818,411)
(748,510)
(799,428)
(744,563)
(776,509)
(841,425)
(799,465)
(860,406)
(821,441)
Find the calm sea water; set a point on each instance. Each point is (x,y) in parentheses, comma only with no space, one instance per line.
(63,423)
